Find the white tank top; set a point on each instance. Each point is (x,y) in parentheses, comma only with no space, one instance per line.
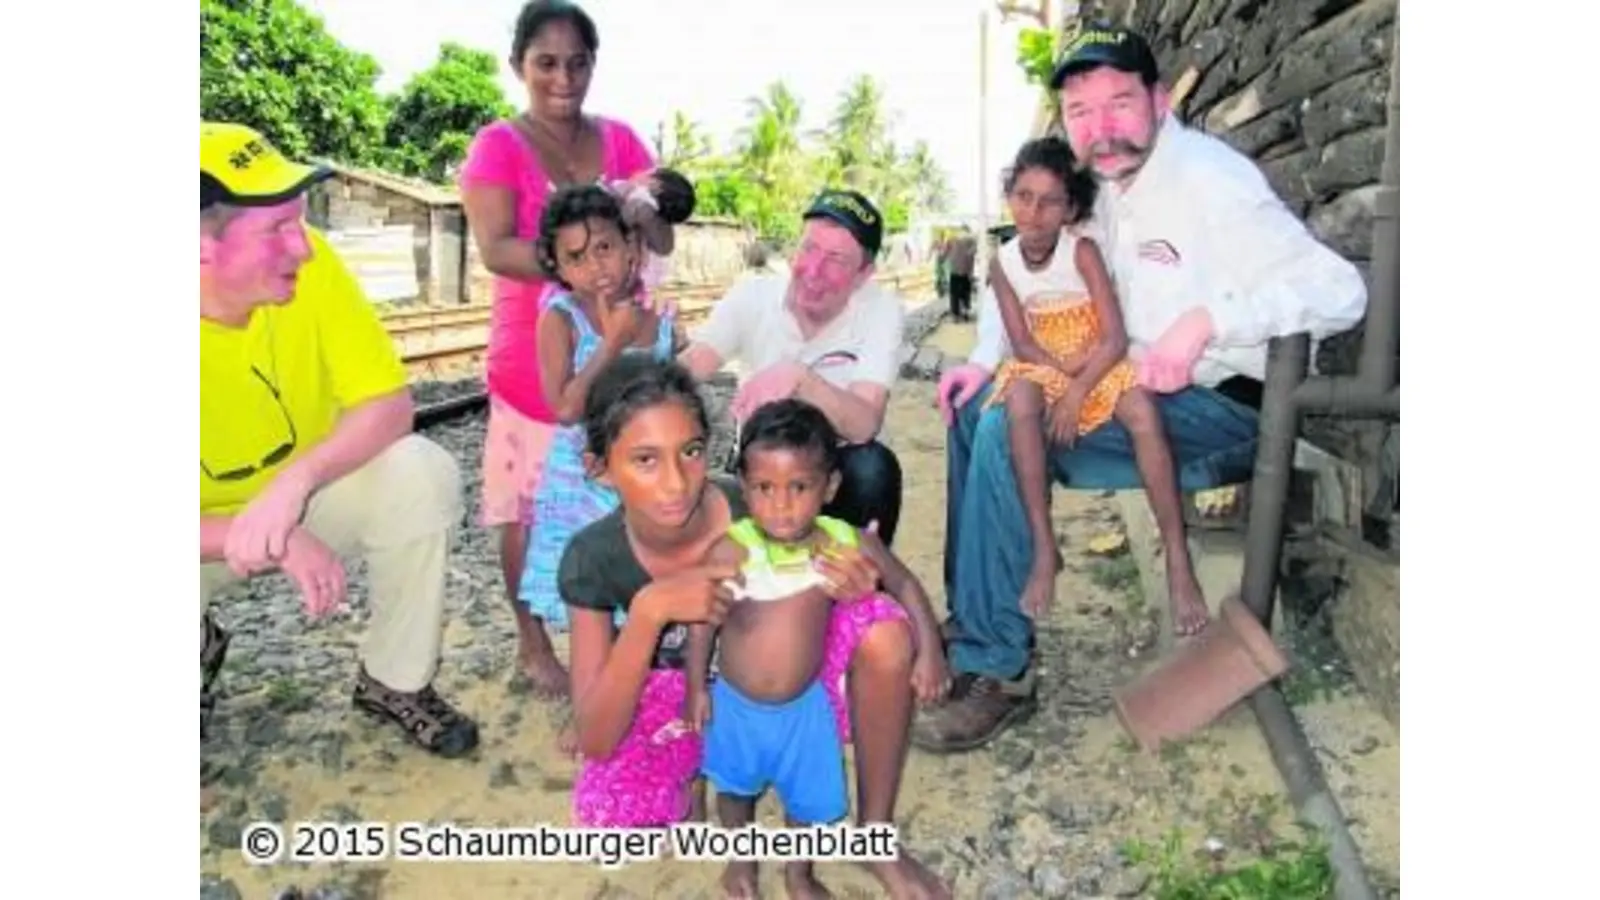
(1056,285)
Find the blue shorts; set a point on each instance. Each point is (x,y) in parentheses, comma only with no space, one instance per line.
(793,747)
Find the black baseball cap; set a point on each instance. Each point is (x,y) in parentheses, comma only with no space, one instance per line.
(853,212)
(1106,45)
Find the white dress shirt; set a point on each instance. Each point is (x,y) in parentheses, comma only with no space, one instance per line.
(1200,226)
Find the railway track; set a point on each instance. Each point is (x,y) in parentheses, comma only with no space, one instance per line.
(447,344)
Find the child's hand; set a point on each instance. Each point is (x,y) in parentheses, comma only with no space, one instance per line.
(697,709)
(930,676)
(1064,416)
(620,320)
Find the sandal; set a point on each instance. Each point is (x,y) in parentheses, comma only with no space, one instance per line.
(424,716)
(213,648)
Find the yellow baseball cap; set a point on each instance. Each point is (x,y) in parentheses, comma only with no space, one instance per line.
(239,167)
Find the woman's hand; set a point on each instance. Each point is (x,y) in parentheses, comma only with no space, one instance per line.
(698,594)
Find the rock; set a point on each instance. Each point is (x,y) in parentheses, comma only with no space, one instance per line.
(1126,883)
(1287,176)
(1275,129)
(1005,884)
(214,888)
(274,807)
(924,364)
(223,834)
(1014,755)
(1350,162)
(1050,883)
(1343,46)
(1365,746)
(1345,223)
(504,775)
(1350,105)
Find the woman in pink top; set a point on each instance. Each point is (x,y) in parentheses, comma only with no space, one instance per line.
(511,167)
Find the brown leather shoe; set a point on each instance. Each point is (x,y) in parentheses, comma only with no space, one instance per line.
(424,716)
(979,709)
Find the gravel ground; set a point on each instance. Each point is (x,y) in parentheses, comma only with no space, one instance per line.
(1040,813)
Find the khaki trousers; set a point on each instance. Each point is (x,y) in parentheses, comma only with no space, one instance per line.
(398,511)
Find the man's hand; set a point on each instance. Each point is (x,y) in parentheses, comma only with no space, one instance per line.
(957,387)
(1168,366)
(776,382)
(259,536)
(316,571)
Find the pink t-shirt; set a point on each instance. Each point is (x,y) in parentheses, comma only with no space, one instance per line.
(500,156)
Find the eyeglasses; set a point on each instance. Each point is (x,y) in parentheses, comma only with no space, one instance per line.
(271,459)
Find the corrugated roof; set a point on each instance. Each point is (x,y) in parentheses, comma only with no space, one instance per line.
(416,189)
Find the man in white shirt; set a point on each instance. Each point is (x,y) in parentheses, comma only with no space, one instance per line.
(824,332)
(1209,266)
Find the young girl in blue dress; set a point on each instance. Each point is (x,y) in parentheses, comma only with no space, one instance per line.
(588,322)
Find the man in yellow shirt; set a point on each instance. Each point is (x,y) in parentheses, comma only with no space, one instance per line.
(306,447)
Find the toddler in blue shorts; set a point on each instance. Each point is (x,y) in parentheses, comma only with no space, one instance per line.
(766,717)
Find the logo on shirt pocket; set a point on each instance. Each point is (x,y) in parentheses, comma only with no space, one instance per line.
(1160,252)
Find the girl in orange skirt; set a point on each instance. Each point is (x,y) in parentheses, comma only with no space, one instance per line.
(1069,372)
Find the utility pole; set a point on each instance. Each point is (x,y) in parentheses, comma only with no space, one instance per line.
(983,118)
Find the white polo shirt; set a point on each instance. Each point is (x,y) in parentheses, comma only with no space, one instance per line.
(753,327)
(1200,226)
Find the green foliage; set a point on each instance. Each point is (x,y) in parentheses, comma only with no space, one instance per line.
(1036,54)
(1285,870)
(272,65)
(775,167)
(433,118)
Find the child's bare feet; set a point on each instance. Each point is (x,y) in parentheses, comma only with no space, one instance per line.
(537,659)
(1189,611)
(907,879)
(1039,593)
(801,882)
(739,880)
(567,740)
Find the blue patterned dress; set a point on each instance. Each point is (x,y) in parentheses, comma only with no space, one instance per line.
(567,499)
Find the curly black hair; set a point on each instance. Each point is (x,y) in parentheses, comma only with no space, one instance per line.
(789,424)
(631,384)
(674,195)
(571,205)
(1054,155)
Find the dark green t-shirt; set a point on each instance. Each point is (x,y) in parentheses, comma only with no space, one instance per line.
(600,571)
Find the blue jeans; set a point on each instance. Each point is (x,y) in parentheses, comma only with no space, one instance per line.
(988,549)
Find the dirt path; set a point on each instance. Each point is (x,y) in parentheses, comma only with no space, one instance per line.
(1041,813)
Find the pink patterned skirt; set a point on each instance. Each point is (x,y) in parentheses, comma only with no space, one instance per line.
(646,781)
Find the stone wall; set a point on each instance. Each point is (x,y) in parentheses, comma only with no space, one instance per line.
(1300,86)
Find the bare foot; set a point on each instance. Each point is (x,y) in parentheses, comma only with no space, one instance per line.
(567,740)
(801,882)
(1039,594)
(908,879)
(537,659)
(1189,612)
(739,881)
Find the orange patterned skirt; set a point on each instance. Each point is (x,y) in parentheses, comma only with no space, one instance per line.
(1063,330)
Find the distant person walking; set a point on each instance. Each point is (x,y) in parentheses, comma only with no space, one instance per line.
(961,255)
